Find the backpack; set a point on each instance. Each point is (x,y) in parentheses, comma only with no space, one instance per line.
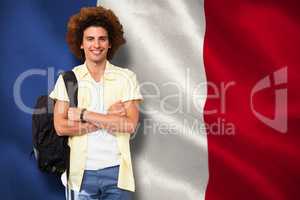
(51,151)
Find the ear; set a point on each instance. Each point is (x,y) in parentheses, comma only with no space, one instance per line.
(81,46)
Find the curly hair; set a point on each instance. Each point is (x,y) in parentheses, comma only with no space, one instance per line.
(94,16)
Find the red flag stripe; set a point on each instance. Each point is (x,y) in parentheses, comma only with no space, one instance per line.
(246,42)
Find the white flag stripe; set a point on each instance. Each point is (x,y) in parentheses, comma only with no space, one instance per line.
(165,47)
(154,178)
(189,132)
(150,42)
(190,28)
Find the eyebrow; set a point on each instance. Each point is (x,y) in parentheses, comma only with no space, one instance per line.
(104,36)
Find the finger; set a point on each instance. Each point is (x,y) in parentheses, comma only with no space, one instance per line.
(117,107)
(69,114)
(109,130)
(121,104)
(124,110)
(117,102)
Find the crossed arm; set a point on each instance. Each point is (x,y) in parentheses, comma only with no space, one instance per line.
(121,117)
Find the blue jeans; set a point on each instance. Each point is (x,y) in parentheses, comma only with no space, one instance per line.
(100,184)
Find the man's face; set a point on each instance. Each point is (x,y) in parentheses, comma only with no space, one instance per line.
(95,44)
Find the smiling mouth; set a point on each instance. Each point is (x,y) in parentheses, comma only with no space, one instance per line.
(97,52)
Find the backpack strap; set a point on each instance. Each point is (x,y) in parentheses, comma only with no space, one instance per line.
(72,90)
(71,86)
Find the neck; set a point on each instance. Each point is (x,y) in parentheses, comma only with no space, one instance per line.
(96,68)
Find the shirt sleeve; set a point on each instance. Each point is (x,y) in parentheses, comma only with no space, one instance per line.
(59,92)
(131,89)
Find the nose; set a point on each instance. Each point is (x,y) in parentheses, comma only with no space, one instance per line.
(96,44)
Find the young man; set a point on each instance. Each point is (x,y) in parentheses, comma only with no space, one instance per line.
(99,128)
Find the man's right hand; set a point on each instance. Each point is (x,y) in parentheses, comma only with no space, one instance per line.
(117,108)
(88,128)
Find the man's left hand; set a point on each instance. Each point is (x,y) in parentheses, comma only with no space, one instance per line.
(74,114)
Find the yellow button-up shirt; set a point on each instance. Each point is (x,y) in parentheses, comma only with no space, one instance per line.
(118,84)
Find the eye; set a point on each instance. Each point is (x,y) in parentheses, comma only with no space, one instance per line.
(104,38)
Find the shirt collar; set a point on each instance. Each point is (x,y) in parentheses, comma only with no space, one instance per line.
(108,72)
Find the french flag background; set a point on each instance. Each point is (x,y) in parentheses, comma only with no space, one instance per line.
(221,115)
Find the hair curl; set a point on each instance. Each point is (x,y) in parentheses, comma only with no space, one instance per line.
(94,16)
